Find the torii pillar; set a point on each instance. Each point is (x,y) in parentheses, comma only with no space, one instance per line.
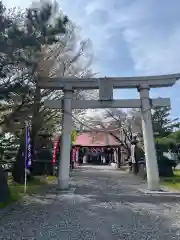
(63,177)
(149,145)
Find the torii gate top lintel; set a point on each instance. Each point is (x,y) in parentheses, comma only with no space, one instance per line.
(116,82)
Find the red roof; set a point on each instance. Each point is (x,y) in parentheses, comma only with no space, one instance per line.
(95,139)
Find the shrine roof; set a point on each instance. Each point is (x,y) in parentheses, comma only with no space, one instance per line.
(95,139)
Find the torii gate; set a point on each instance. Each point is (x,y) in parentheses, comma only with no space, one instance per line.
(105,86)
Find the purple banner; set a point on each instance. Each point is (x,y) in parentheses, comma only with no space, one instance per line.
(28,148)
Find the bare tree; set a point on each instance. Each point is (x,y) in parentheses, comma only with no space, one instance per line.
(135,115)
(65,59)
(119,124)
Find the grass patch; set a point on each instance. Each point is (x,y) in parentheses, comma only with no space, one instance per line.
(177,173)
(172,182)
(51,179)
(17,190)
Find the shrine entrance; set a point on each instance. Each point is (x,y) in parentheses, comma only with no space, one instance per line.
(106,86)
(97,155)
(98,147)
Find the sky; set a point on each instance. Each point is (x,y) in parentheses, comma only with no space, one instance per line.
(130,38)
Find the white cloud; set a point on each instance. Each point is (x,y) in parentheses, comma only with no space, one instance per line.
(130,37)
(152,51)
(17,3)
(136,22)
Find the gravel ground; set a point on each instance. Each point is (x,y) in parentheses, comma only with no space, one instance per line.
(102,204)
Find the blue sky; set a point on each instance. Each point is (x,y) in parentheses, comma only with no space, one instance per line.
(130,38)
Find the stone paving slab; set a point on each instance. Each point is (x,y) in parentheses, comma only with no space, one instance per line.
(103,205)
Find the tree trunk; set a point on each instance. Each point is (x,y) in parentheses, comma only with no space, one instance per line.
(124,144)
(119,157)
(4,190)
(19,165)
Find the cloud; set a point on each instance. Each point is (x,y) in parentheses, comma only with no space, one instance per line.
(153,37)
(133,37)
(130,37)
(17,3)
(143,34)
(151,32)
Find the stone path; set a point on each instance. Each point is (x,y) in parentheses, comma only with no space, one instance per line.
(101,205)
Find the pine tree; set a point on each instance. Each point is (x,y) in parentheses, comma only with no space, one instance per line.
(5,23)
(36,33)
(163,124)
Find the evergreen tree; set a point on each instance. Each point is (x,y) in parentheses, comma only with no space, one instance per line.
(37,32)
(5,23)
(6,59)
(163,124)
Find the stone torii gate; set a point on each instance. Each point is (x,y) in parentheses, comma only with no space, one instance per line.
(106,86)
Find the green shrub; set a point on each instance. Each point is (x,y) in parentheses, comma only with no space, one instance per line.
(165,165)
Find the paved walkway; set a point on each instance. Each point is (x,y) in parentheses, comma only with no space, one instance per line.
(102,205)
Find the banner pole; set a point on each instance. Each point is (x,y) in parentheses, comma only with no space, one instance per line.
(25,181)
(25,161)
